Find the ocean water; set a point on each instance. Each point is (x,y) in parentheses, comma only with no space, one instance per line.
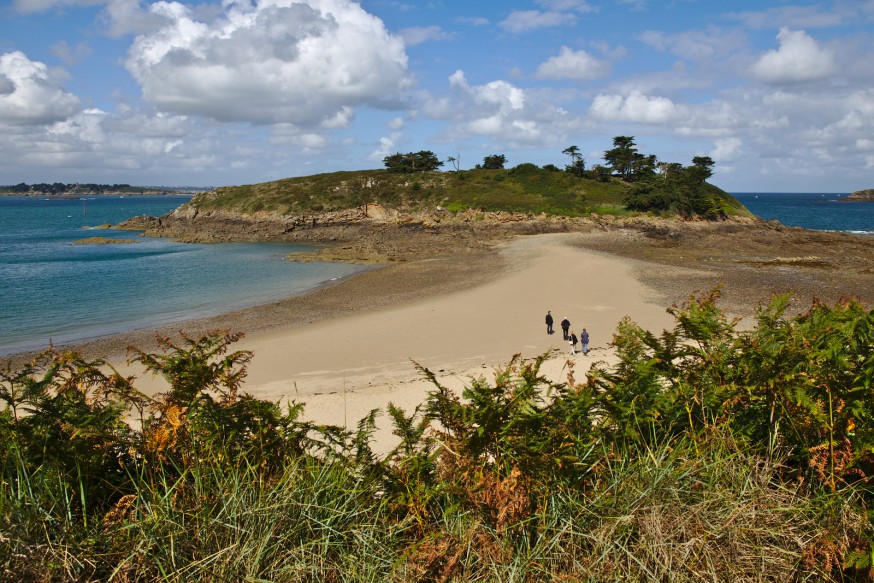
(54,290)
(818,211)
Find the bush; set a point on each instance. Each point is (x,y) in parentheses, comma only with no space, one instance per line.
(706,452)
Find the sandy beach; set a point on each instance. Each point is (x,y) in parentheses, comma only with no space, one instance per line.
(462,303)
(344,366)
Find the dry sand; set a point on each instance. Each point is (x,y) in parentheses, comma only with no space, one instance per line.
(343,367)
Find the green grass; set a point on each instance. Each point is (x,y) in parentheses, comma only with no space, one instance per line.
(522,189)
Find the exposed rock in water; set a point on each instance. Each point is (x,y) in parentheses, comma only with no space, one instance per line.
(104,241)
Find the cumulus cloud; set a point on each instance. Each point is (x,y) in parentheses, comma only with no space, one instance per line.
(28,93)
(305,63)
(499,111)
(726,149)
(799,58)
(577,65)
(635,107)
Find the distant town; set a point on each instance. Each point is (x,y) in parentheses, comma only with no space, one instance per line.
(81,189)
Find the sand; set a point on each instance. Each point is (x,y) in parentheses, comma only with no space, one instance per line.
(342,367)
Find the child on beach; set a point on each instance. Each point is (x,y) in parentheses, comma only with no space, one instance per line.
(572,340)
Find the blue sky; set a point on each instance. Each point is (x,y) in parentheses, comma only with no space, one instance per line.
(780,94)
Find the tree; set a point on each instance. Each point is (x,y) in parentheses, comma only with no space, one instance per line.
(702,167)
(494,162)
(423,161)
(622,155)
(578,164)
(627,162)
(680,190)
(455,161)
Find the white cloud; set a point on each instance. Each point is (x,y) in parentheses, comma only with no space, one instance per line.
(799,58)
(387,147)
(577,65)
(421,34)
(304,63)
(726,149)
(635,107)
(28,93)
(526,20)
(500,111)
(473,20)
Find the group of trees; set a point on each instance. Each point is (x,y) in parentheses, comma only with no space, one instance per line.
(427,161)
(656,186)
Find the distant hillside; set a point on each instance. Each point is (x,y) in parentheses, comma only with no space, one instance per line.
(525,188)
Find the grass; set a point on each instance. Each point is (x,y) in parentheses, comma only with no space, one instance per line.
(525,188)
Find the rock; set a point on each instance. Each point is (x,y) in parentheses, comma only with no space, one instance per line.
(104,241)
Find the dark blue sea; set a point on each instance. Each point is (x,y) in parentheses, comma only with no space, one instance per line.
(54,290)
(818,211)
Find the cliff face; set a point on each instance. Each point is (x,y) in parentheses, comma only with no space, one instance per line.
(861,196)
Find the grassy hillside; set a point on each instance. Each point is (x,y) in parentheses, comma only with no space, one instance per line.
(525,188)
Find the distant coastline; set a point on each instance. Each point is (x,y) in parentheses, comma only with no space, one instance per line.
(866,195)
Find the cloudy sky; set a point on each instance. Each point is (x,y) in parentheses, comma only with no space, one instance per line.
(779,93)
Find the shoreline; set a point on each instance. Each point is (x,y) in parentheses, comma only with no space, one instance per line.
(347,348)
(746,259)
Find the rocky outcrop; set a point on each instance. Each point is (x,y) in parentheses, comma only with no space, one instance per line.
(373,234)
(104,241)
(861,196)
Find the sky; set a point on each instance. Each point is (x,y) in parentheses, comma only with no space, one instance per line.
(780,94)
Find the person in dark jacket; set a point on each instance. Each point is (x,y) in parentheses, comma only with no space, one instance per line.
(565,328)
(549,329)
(584,338)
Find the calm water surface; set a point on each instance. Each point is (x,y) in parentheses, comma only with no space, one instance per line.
(53,289)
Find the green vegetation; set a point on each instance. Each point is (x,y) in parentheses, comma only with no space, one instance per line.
(707,453)
(424,161)
(630,182)
(524,188)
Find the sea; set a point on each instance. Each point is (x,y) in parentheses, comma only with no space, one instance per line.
(817,211)
(54,290)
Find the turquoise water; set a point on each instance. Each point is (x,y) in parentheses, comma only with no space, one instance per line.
(54,290)
(818,211)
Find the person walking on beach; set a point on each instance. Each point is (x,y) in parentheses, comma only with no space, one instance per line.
(572,340)
(584,338)
(565,328)
(549,329)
